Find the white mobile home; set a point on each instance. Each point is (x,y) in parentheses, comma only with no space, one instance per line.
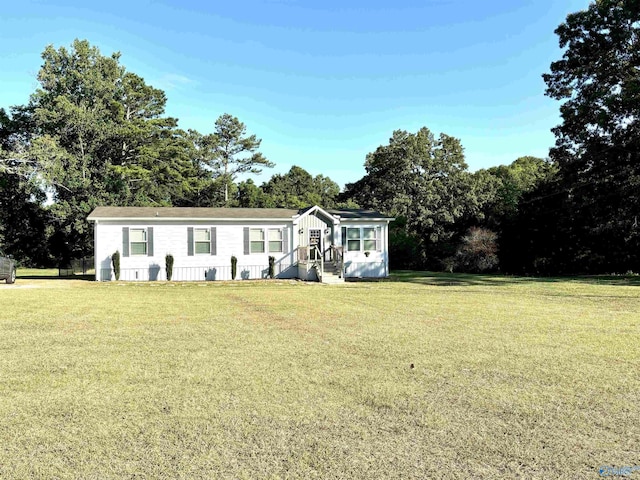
(310,244)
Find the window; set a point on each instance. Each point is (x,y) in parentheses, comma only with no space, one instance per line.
(353,239)
(138,241)
(275,240)
(256,239)
(202,240)
(365,239)
(370,239)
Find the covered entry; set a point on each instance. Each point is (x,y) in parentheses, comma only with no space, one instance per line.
(319,253)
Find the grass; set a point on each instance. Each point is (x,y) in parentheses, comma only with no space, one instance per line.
(37,272)
(512,377)
(41,273)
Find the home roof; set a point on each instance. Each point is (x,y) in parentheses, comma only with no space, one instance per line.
(354,214)
(190,212)
(112,213)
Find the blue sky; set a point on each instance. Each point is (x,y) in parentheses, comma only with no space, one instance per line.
(322,83)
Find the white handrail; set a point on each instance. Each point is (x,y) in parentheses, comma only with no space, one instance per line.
(319,255)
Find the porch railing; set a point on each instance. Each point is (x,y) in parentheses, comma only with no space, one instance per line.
(318,259)
(312,257)
(198,273)
(336,256)
(302,255)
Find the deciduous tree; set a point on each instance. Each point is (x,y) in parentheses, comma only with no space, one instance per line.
(598,142)
(96,135)
(298,188)
(422,180)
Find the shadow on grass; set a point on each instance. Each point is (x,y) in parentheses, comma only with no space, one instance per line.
(87,278)
(460,279)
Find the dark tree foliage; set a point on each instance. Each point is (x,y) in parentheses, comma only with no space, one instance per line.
(598,143)
(510,183)
(23,219)
(406,248)
(234,267)
(272,267)
(298,188)
(533,242)
(424,182)
(115,261)
(251,195)
(168,261)
(295,189)
(514,208)
(94,134)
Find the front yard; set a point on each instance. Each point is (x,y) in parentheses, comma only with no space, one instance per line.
(511,377)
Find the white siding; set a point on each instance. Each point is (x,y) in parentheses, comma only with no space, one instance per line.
(364,269)
(172,238)
(376,264)
(309,222)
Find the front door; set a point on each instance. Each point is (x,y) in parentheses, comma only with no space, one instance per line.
(315,243)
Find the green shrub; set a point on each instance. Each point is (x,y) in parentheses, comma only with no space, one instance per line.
(115,260)
(168,260)
(234,266)
(272,267)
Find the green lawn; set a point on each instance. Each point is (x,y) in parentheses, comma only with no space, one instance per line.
(32,273)
(513,377)
(37,272)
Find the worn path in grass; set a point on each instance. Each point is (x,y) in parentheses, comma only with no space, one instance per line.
(512,377)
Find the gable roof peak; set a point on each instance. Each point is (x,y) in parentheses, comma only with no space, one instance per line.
(314,209)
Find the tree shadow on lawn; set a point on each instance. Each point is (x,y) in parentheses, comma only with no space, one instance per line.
(87,278)
(459,279)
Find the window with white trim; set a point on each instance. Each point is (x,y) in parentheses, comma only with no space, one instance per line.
(256,240)
(202,241)
(353,239)
(370,239)
(138,241)
(362,239)
(275,240)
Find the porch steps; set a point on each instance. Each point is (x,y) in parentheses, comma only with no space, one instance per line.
(330,274)
(331,278)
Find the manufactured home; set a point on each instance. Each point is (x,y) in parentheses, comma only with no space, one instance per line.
(309,244)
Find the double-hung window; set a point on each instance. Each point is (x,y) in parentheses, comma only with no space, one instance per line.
(370,239)
(263,240)
(353,239)
(256,240)
(361,239)
(202,240)
(275,240)
(138,241)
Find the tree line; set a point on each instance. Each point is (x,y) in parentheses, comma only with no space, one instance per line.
(94,134)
